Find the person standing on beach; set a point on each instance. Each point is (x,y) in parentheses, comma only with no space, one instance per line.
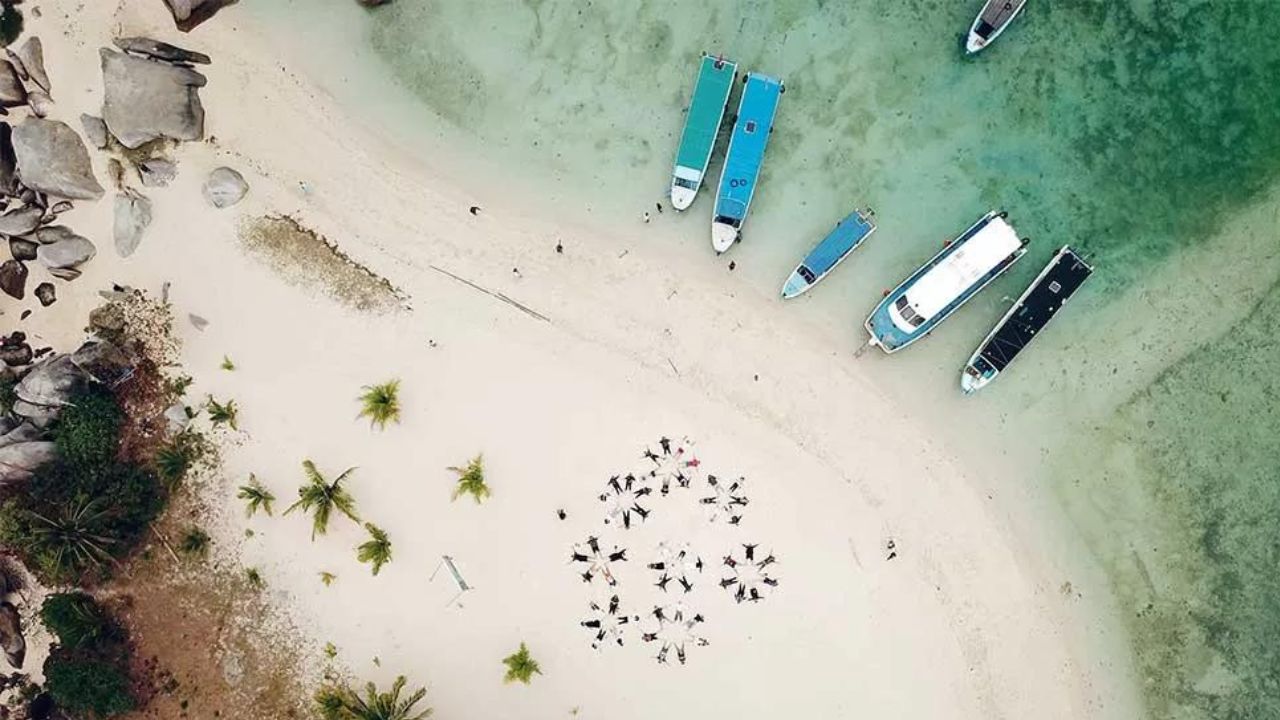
(646,217)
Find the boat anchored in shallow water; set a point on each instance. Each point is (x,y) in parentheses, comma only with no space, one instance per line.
(994,18)
(1046,295)
(964,267)
(750,137)
(701,127)
(834,248)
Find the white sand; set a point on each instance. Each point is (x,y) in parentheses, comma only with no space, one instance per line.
(965,623)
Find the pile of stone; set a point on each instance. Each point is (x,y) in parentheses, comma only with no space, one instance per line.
(41,389)
(44,167)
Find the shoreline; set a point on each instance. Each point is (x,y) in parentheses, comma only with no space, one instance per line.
(638,341)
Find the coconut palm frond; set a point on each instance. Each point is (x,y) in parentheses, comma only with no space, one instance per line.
(376,550)
(256,496)
(321,497)
(223,413)
(521,666)
(471,480)
(381,403)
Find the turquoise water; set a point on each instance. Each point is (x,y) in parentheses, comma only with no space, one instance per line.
(1146,132)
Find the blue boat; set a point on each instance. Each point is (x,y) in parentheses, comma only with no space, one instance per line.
(964,267)
(834,248)
(701,127)
(750,137)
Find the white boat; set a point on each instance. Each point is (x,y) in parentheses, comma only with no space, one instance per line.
(994,18)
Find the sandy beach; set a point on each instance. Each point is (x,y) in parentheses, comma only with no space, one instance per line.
(562,368)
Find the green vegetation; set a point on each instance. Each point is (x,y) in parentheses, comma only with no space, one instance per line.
(194,542)
(381,403)
(227,364)
(327,577)
(342,703)
(254,576)
(471,480)
(321,497)
(376,550)
(255,496)
(87,670)
(520,666)
(223,413)
(176,458)
(87,432)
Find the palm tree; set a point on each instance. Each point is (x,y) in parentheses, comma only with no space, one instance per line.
(343,703)
(376,550)
(255,496)
(381,403)
(321,498)
(70,541)
(520,666)
(220,413)
(195,542)
(471,480)
(176,458)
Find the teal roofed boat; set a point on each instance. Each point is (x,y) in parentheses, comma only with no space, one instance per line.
(750,137)
(834,248)
(701,127)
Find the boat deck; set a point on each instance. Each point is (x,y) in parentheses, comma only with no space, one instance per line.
(1042,301)
(847,235)
(998,12)
(756,112)
(706,110)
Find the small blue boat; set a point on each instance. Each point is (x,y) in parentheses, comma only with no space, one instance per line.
(756,111)
(964,267)
(834,248)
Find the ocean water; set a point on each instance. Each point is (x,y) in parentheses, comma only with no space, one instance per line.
(1144,132)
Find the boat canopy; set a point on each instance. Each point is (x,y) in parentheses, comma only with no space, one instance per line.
(959,271)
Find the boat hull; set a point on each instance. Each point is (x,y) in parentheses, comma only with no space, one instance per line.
(702,126)
(751,130)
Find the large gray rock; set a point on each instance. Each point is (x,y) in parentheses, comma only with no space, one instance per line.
(15,648)
(95,130)
(68,252)
(32,56)
(20,221)
(39,415)
(23,432)
(51,383)
(148,99)
(225,187)
(50,234)
(104,362)
(13,279)
(133,216)
(12,93)
(190,13)
(157,172)
(21,249)
(20,460)
(160,50)
(52,159)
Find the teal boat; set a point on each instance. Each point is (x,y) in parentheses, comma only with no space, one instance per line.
(750,137)
(701,126)
(834,248)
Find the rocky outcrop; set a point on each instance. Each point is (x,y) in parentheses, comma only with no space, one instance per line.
(20,221)
(189,13)
(161,51)
(51,383)
(95,130)
(52,159)
(22,432)
(15,648)
(69,252)
(225,187)
(20,460)
(13,279)
(132,217)
(31,55)
(147,99)
(104,362)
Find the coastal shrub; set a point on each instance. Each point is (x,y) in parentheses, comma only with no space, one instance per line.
(88,432)
(79,623)
(381,403)
(174,460)
(471,480)
(223,413)
(340,702)
(255,496)
(194,542)
(321,497)
(376,550)
(87,685)
(521,667)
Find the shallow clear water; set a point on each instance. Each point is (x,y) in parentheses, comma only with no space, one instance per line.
(1141,131)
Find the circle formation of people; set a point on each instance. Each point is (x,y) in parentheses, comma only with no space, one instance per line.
(676,569)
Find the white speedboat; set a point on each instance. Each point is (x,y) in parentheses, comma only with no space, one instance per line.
(994,18)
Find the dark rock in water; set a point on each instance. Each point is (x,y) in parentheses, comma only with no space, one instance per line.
(17,464)
(95,130)
(45,293)
(20,221)
(103,362)
(132,217)
(12,93)
(148,99)
(22,249)
(68,252)
(225,187)
(13,279)
(161,50)
(52,159)
(31,54)
(190,13)
(16,355)
(157,172)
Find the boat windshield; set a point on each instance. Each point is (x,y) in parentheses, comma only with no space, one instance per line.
(731,221)
(685,183)
(806,273)
(984,30)
(908,313)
